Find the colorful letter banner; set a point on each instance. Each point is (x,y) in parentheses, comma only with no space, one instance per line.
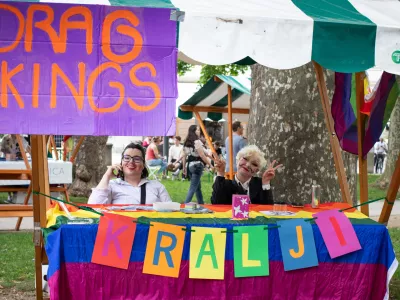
(240,206)
(164,250)
(337,232)
(250,251)
(297,244)
(207,253)
(114,241)
(87,70)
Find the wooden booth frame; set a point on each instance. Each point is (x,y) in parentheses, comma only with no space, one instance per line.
(40,176)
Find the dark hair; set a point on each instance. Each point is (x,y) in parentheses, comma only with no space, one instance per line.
(145,172)
(236,125)
(156,139)
(217,143)
(178,138)
(191,136)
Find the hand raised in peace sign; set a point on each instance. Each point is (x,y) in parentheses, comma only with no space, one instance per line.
(269,173)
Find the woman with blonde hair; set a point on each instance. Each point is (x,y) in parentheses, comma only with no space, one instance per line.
(250,160)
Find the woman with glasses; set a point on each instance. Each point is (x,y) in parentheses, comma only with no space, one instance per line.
(250,160)
(127,183)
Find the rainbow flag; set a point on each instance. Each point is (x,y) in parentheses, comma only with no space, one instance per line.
(377,106)
(359,275)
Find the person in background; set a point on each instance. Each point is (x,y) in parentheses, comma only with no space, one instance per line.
(380,150)
(238,143)
(217,147)
(174,155)
(147,141)
(11,148)
(194,154)
(131,185)
(250,160)
(153,157)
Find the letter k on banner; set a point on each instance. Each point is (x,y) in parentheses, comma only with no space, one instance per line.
(114,241)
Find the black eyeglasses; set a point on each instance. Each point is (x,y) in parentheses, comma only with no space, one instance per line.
(135,159)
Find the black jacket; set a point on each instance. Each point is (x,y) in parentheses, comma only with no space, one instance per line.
(223,189)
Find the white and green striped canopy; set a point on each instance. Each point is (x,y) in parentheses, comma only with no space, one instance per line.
(214,94)
(341,35)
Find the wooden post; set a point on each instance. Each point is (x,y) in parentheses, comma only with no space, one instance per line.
(23,153)
(40,183)
(230,122)
(76,149)
(203,128)
(337,155)
(54,146)
(391,194)
(362,162)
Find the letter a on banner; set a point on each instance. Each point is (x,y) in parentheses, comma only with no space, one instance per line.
(337,232)
(114,241)
(164,250)
(297,244)
(207,253)
(250,251)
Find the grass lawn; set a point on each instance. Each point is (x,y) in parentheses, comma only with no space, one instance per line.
(17,251)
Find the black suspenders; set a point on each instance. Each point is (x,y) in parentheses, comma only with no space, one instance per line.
(143,194)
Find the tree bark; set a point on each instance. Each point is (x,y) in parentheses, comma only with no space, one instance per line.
(393,145)
(89,165)
(287,123)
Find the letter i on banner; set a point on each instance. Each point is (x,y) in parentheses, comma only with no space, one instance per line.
(250,251)
(297,244)
(207,253)
(114,241)
(338,232)
(164,250)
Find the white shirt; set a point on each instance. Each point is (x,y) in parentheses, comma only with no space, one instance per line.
(121,192)
(380,147)
(174,152)
(245,185)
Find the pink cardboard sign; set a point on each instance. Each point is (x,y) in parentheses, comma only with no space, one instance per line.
(240,206)
(337,232)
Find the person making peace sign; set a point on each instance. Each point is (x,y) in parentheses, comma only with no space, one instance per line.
(250,161)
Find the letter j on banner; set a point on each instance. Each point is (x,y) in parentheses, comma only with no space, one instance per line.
(337,232)
(164,250)
(250,250)
(114,241)
(297,244)
(207,253)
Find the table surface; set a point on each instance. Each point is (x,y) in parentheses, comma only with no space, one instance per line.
(359,275)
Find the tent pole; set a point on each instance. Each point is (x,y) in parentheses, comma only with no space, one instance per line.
(40,183)
(76,150)
(362,162)
(230,123)
(337,155)
(203,128)
(391,194)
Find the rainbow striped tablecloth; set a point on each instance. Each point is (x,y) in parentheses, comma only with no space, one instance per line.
(364,274)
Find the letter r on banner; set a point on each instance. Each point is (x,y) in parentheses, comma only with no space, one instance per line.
(297,243)
(164,250)
(114,241)
(338,232)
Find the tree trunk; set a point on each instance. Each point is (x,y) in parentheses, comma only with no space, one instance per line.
(394,145)
(89,165)
(287,123)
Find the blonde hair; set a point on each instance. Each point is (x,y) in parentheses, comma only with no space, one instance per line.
(252,151)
